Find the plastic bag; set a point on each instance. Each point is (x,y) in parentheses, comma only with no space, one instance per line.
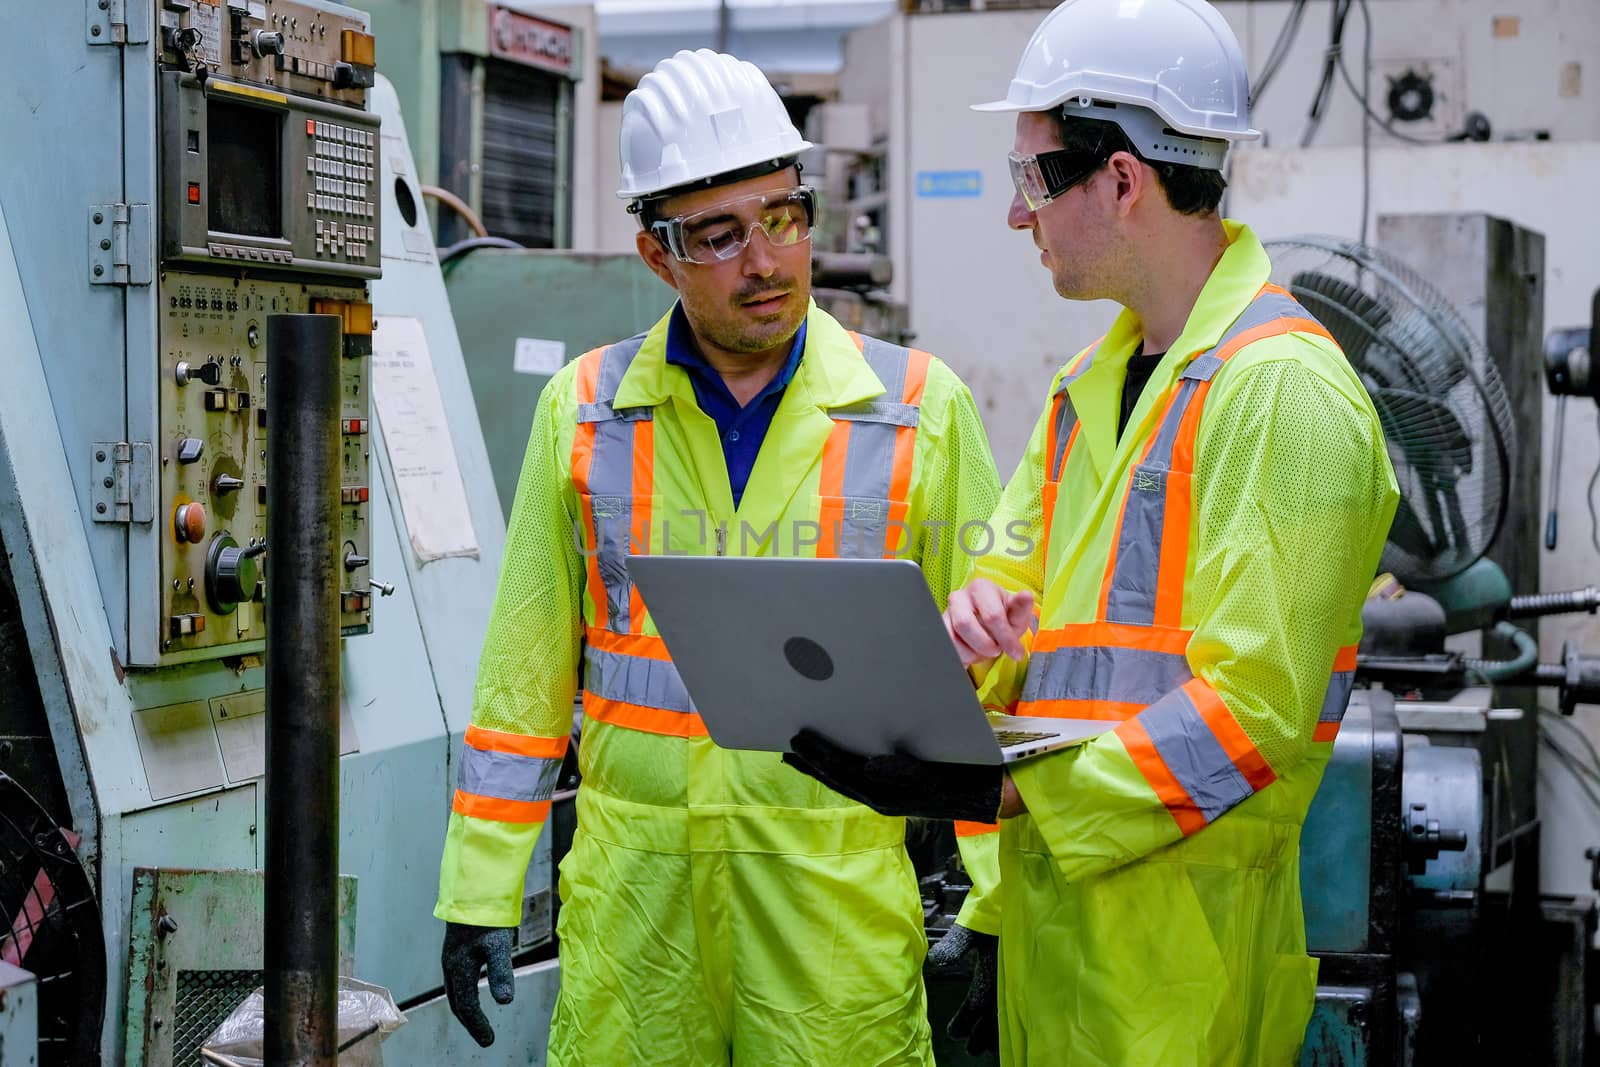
(365,1015)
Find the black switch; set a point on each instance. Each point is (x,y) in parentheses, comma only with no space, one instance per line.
(209,372)
(354,562)
(354,76)
(189,449)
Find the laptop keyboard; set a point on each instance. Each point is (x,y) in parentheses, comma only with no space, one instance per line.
(1007,738)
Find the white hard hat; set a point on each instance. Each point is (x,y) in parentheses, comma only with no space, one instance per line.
(1157,68)
(699,115)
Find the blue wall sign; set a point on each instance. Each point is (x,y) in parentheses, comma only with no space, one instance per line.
(949,183)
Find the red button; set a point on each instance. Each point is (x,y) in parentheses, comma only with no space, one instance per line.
(311,128)
(194,192)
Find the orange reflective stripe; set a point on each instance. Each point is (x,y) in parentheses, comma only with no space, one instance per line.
(646,645)
(1048,495)
(830,487)
(916,375)
(1188,429)
(1142,750)
(1325,731)
(643,719)
(588,377)
(1273,329)
(498,810)
(1235,742)
(1345,659)
(905,449)
(1120,635)
(1174,551)
(517,744)
(975,829)
(1104,710)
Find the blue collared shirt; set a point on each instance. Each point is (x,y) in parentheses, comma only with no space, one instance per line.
(742,429)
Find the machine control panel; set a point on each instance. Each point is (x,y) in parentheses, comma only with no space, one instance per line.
(256,177)
(268,204)
(212,459)
(299,48)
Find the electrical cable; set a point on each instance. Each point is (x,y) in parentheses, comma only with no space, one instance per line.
(449,253)
(1585,778)
(1279,51)
(1330,62)
(1364,95)
(1588,498)
(1366,121)
(1546,717)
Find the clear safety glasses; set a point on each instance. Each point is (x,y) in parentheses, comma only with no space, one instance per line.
(722,231)
(1046,176)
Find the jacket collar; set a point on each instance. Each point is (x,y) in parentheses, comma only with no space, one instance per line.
(831,374)
(1234,282)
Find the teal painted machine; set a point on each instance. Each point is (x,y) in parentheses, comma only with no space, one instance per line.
(177,172)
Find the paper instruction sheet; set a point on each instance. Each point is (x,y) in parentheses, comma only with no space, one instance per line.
(416,435)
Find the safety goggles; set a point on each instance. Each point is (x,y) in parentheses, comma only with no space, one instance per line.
(720,232)
(1045,177)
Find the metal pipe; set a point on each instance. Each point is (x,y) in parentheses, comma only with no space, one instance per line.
(1565,603)
(302,804)
(1495,670)
(459,206)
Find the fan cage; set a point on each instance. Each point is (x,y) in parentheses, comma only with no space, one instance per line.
(1446,417)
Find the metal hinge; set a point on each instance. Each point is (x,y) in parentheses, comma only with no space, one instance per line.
(120,247)
(122,481)
(118,21)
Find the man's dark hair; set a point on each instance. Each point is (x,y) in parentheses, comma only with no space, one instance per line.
(1190,190)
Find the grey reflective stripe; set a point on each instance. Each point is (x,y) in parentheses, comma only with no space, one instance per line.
(888,362)
(651,683)
(869,454)
(1132,596)
(1104,672)
(1136,574)
(1337,698)
(1160,454)
(1201,369)
(1066,419)
(1194,755)
(611,478)
(1079,371)
(878,411)
(1263,309)
(507,776)
(614,363)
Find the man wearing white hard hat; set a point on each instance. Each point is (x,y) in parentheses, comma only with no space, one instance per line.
(717,907)
(1214,492)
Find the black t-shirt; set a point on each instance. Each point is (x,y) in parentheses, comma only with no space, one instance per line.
(1140,367)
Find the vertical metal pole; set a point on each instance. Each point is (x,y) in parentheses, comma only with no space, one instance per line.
(723,20)
(302,868)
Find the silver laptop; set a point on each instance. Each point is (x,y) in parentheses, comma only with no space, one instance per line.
(853,649)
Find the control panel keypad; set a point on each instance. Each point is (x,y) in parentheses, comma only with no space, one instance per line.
(343,165)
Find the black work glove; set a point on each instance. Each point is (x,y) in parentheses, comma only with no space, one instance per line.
(978,1019)
(900,784)
(467,950)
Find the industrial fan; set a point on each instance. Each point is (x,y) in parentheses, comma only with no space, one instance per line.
(1444,410)
(50,925)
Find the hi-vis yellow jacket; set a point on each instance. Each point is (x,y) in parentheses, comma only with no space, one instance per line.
(864,456)
(1200,583)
